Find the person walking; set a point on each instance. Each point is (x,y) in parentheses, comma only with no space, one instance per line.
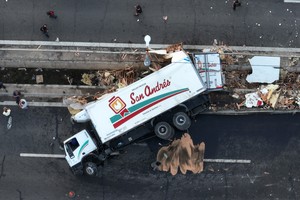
(44,29)
(138,10)
(6,111)
(236,3)
(23,104)
(51,14)
(17,94)
(2,86)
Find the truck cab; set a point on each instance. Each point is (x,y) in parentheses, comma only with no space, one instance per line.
(77,147)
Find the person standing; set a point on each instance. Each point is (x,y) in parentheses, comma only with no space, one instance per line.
(44,29)
(138,10)
(6,111)
(17,95)
(236,3)
(23,104)
(51,14)
(3,86)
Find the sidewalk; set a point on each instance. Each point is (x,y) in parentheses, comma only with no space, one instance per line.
(80,55)
(45,95)
(52,96)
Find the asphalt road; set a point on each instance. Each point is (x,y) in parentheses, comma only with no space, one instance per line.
(271,142)
(256,23)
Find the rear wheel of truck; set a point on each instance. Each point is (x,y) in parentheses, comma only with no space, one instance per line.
(164,130)
(181,121)
(90,169)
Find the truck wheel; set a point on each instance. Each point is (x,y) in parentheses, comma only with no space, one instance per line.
(164,130)
(90,169)
(181,121)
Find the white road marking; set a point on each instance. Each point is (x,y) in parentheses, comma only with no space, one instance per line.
(291,1)
(227,161)
(42,155)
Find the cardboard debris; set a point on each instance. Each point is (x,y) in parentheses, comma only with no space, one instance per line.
(181,154)
(39,79)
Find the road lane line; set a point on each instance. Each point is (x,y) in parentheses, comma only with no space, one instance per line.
(291,1)
(35,155)
(227,161)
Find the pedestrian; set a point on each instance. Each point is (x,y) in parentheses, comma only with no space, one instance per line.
(23,104)
(44,29)
(51,14)
(236,3)
(3,86)
(6,111)
(138,10)
(17,94)
(165,18)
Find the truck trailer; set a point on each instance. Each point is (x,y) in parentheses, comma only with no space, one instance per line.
(160,103)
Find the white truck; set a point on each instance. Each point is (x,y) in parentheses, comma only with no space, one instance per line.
(122,117)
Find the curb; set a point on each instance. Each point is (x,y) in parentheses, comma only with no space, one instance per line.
(34,104)
(142,46)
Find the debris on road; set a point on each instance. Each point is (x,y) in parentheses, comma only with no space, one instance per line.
(182,154)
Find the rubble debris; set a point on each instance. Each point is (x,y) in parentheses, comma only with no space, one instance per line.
(269,94)
(253,100)
(293,61)
(181,154)
(264,69)
(87,78)
(174,48)
(112,78)
(235,95)
(266,94)
(287,102)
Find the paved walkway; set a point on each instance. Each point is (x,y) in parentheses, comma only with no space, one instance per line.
(45,95)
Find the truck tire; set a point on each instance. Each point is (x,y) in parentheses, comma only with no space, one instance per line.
(181,121)
(164,130)
(90,169)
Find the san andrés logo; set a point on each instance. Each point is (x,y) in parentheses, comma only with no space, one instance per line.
(148,91)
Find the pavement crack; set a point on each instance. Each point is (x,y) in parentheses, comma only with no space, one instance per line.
(167,187)
(226,184)
(2,167)
(20,194)
(292,187)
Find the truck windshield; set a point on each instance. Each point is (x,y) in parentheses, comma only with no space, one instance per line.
(71,146)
